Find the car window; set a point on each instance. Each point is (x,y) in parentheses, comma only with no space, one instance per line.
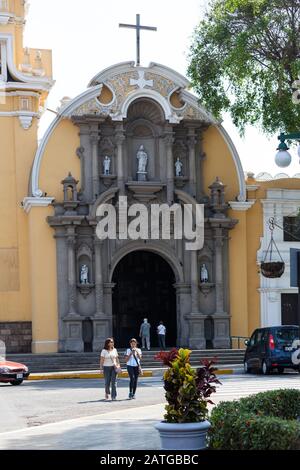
(259,336)
(286,335)
(253,339)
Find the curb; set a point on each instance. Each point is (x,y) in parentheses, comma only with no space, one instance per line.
(78,375)
(95,375)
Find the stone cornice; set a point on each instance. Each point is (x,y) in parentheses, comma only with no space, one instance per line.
(45,83)
(30,202)
(252,187)
(241,206)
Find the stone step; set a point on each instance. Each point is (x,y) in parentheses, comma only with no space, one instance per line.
(90,361)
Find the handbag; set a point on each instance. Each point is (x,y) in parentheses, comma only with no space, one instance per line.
(139,367)
(118,369)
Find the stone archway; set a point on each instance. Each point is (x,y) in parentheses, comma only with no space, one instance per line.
(144,287)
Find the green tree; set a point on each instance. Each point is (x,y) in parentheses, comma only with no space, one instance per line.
(244,59)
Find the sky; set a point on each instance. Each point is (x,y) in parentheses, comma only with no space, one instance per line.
(85,38)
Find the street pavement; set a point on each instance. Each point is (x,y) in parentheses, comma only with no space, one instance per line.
(71,414)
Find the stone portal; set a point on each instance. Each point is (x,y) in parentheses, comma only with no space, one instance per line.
(144,288)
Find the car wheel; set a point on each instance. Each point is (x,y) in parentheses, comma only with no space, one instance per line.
(264,368)
(16,382)
(280,370)
(247,369)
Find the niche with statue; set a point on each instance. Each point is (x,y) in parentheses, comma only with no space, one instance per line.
(85,281)
(205,275)
(107,163)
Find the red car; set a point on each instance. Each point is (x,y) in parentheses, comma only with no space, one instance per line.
(12,372)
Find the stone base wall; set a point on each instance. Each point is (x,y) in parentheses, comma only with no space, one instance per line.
(17,337)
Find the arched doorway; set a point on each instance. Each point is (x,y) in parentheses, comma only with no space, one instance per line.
(143,288)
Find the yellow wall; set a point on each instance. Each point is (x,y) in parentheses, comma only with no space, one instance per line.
(42,249)
(238,278)
(60,158)
(17,146)
(219,162)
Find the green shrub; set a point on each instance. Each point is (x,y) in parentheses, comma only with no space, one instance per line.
(283,403)
(266,421)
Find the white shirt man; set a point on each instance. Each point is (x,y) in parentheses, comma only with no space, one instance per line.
(161,331)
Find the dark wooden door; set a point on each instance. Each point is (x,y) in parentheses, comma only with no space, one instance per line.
(289,309)
(144,289)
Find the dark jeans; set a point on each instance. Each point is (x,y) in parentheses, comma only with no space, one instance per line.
(162,341)
(110,377)
(133,372)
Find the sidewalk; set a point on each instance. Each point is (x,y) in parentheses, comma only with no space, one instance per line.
(94,374)
(123,429)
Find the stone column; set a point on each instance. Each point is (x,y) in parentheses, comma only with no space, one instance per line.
(183,293)
(71,240)
(192,160)
(221,318)
(73,321)
(195,319)
(218,236)
(99,292)
(119,139)
(95,164)
(194,282)
(169,141)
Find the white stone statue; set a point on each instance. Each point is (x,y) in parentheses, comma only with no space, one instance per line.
(106,165)
(178,167)
(142,160)
(204,273)
(84,274)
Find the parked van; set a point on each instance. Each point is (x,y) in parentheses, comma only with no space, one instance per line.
(272,348)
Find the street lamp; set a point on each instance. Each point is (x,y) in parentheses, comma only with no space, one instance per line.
(283,157)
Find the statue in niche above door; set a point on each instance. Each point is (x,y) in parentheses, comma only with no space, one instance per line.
(142,158)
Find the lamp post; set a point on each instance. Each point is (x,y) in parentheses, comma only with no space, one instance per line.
(283,157)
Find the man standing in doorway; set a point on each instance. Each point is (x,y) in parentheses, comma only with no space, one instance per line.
(145,334)
(161,331)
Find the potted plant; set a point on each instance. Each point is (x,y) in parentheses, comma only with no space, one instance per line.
(185,424)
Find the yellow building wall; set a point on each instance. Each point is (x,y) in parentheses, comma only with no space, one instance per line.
(238,278)
(60,158)
(43,281)
(219,162)
(17,148)
(254,234)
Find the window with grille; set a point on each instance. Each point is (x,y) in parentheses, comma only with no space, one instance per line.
(291,227)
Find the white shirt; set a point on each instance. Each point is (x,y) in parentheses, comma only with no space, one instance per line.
(109,357)
(161,330)
(132,361)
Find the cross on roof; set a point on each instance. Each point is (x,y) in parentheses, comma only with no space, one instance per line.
(138,29)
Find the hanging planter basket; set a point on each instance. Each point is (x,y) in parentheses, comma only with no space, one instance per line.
(274,269)
(271,268)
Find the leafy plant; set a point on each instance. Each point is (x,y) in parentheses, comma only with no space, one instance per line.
(265,421)
(187,390)
(245,58)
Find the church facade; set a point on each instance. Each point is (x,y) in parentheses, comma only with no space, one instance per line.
(135,133)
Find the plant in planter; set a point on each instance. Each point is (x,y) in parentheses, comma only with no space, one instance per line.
(187,392)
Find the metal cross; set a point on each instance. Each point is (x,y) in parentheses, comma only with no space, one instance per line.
(138,29)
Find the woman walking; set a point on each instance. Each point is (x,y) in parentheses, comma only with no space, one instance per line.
(109,362)
(133,360)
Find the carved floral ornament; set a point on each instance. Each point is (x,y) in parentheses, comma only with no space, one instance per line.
(141,83)
(124,84)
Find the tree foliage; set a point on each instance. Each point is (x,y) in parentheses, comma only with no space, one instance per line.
(244,59)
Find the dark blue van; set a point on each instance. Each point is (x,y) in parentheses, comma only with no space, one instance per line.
(272,348)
